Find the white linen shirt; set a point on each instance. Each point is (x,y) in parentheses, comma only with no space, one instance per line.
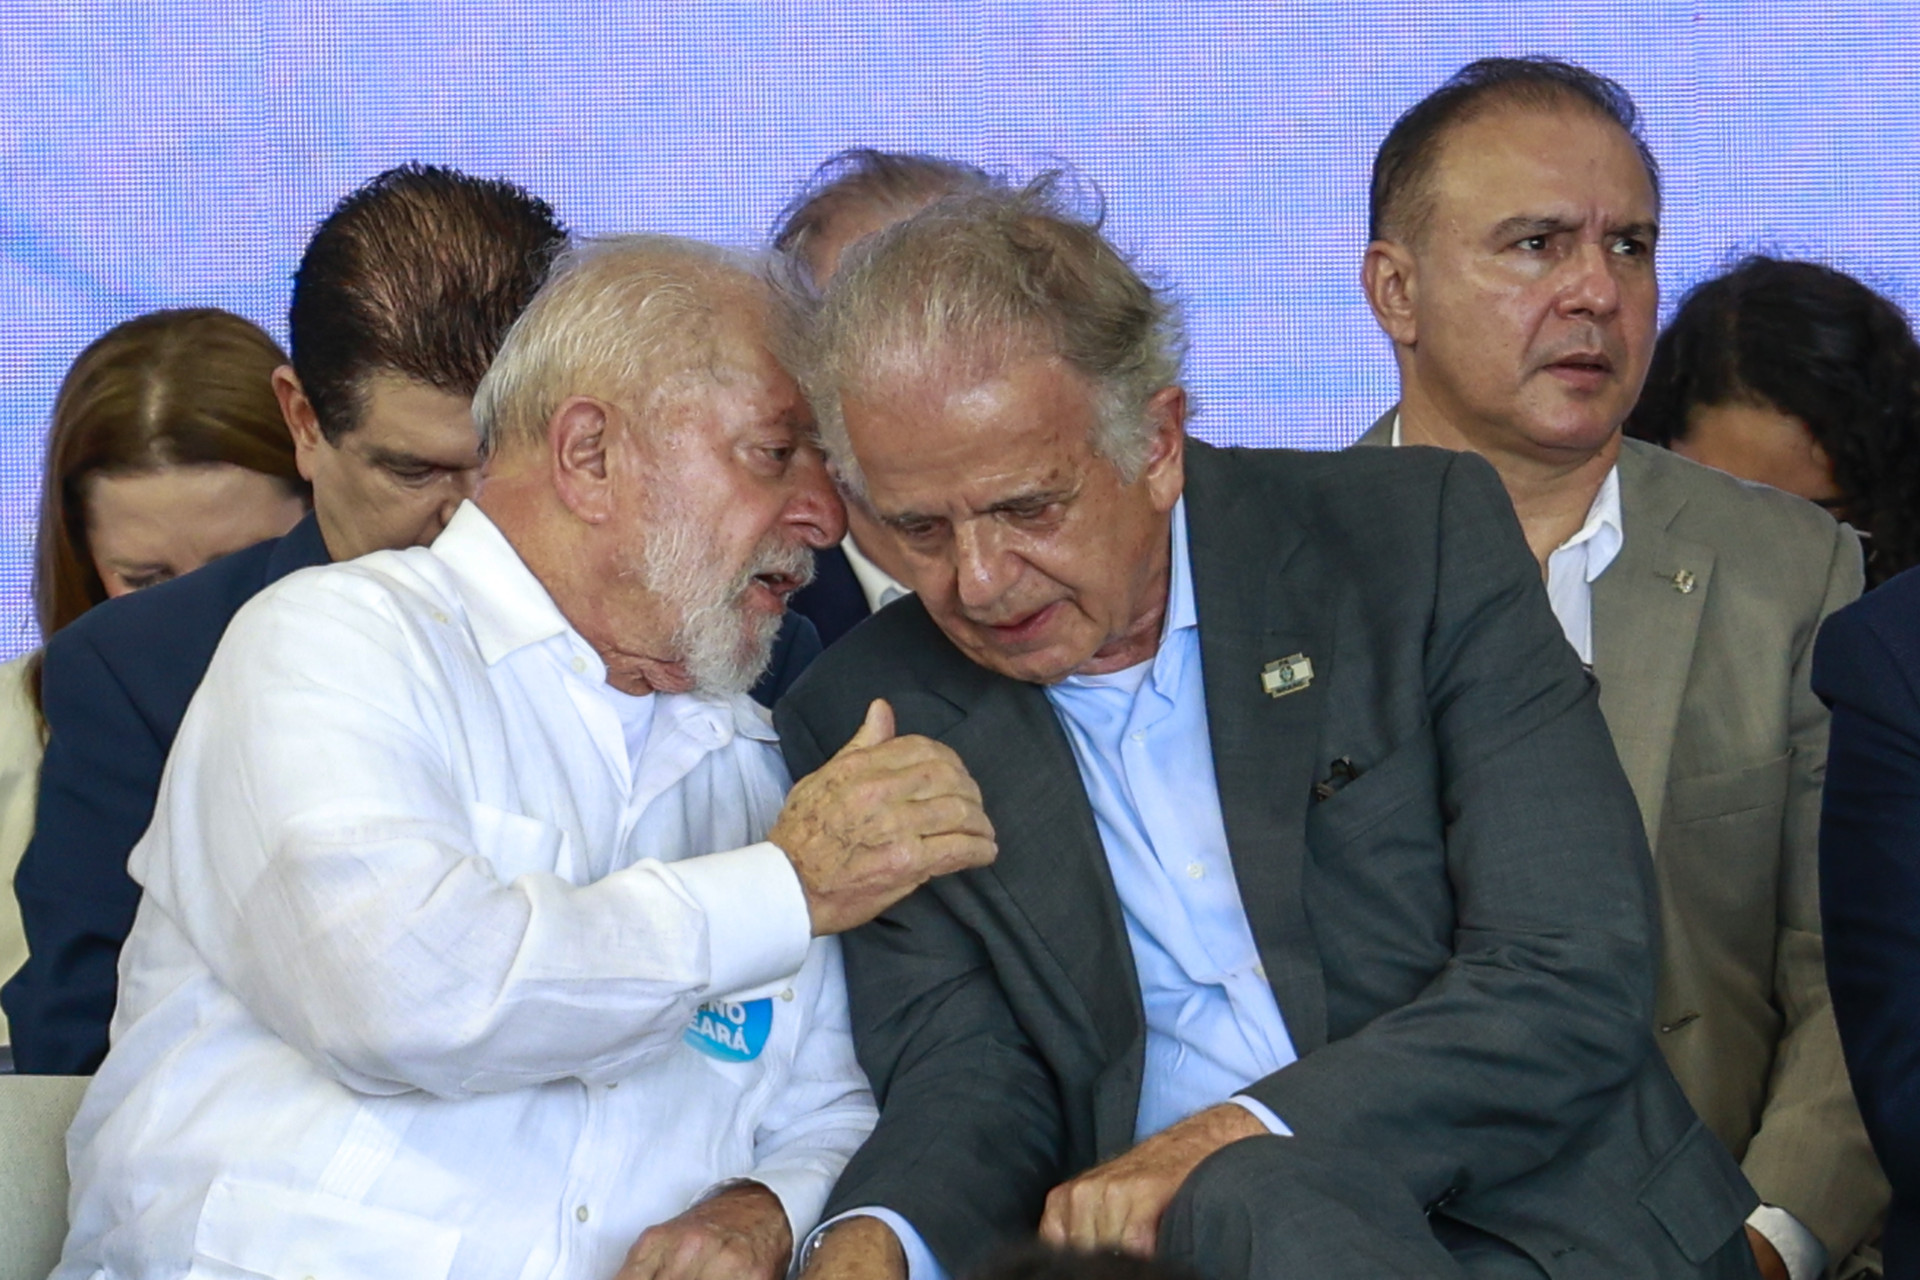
(416,984)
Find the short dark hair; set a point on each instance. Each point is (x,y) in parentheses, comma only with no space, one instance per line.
(1818,345)
(419,273)
(1403,167)
(901,180)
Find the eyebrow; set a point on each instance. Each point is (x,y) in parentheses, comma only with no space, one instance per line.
(1031,498)
(384,457)
(1530,224)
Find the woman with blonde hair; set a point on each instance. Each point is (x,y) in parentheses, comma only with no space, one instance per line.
(166,450)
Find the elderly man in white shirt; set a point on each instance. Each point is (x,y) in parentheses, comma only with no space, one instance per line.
(477,941)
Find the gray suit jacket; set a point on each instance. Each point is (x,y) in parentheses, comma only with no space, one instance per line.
(1707,696)
(1460,940)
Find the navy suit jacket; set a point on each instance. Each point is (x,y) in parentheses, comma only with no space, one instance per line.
(833,601)
(115,686)
(1866,666)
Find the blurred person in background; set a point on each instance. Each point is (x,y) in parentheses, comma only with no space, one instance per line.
(851,196)
(1797,376)
(166,451)
(399,303)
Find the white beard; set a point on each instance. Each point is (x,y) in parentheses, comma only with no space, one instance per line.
(723,644)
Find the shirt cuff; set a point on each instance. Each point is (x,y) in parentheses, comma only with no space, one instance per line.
(758,925)
(921,1264)
(1264,1114)
(1798,1247)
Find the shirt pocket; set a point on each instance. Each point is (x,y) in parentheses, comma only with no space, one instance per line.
(257,1229)
(517,845)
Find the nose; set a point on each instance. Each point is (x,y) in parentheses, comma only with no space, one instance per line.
(1592,289)
(978,564)
(460,486)
(814,509)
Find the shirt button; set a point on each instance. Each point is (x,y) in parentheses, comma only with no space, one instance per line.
(581,1213)
(787,994)
(1196,871)
(440,618)
(1138,735)
(579,666)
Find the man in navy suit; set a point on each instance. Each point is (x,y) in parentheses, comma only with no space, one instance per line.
(1866,666)
(399,304)
(851,196)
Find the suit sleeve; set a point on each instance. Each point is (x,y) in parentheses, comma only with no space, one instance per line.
(77,903)
(1541,1017)
(1810,1154)
(1870,879)
(970,1132)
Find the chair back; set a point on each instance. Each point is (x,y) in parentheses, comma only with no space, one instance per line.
(34,1114)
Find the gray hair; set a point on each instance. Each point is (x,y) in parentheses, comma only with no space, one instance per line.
(972,283)
(617,316)
(899,182)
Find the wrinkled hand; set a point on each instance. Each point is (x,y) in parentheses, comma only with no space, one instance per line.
(879,820)
(1118,1205)
(857,1249)
(740,1234)
(1772,1265)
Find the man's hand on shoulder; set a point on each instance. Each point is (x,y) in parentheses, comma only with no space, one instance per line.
(740,1234)
(857,1249)
(1119,1204)
(877,821)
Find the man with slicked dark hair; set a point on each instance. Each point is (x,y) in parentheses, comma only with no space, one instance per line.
(399,303)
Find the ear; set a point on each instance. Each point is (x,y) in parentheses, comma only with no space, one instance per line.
(578,437)
(1166,471)
(303,424)
(1389,273)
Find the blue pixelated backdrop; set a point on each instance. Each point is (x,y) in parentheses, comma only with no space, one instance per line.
(178,154)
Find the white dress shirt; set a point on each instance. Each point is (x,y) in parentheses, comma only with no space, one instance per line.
(876,584)
(453,961)
(1572,570)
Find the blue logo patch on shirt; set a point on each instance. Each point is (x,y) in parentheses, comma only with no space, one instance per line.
(729,1030)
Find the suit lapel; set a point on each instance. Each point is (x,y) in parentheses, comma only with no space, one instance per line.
(1259,602)
(1646,618)
(1054,870)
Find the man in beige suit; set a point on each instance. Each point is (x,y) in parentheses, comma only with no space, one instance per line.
(1515,213)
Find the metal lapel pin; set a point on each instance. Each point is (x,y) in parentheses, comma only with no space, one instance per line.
(1288,675)
(1683,582)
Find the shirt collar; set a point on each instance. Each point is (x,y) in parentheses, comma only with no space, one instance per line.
(1604,532)
(876,584)
(506,605)
(508,610)
(1603,528)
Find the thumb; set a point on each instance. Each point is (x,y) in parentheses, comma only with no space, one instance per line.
(875,729)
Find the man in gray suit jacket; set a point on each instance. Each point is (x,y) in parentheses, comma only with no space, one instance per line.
(1514,217)
(1319,940)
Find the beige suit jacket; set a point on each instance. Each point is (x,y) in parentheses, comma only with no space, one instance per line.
(1703,631)
(20,750)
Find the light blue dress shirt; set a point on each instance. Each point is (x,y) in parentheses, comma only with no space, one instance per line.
(1140,739)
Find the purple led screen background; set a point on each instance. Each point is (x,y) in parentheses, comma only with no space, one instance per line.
(178,154)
